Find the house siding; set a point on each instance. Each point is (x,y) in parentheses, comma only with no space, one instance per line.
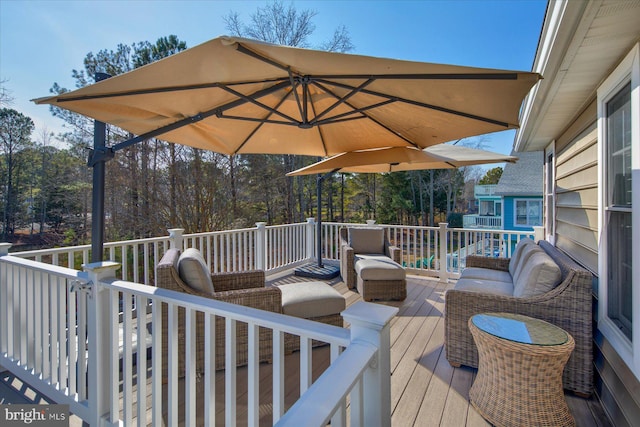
(577,195)
(576,233)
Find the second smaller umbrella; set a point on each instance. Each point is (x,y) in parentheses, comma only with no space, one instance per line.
(393,159)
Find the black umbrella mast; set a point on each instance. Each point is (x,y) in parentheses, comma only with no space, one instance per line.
(97,159)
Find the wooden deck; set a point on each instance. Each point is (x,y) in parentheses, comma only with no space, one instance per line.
(425,389)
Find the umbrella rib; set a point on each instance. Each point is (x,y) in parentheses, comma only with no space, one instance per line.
(324,145)
(257,103)
(343,99)
(196,118)
(257,128)
(387,128)
(422,104)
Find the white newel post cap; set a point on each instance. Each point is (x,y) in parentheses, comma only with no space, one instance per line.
(538,233)
(175,237)
(371,221)
(311,220)
(4,248)
(102,269)
(369,315)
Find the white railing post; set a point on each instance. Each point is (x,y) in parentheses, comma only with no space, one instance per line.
(444,243)
(371,222)
(371,323)
(538,233)
(261,246)
(4,248)
(99,348)
(310,240)
(175,238)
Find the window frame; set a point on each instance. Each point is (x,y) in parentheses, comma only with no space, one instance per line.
(549,200)
(628,71)
(528,224)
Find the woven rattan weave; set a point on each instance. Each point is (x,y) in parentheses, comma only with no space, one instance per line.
(519,384)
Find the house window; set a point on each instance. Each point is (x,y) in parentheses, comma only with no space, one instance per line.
(550,193)
(488,207)
(618,209)
(528,212)
(618,137)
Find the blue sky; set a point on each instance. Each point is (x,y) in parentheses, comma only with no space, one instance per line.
(42,41)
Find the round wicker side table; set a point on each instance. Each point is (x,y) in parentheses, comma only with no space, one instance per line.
(519,379)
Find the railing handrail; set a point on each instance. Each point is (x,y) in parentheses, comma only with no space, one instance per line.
(293,325)
(56,270)
(331,387)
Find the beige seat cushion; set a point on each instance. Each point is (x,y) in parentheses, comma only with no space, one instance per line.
(517,254)
(376,267)
(486,274)
(484,286)
(367,240)
(539,274)
(194,272)
(311,299)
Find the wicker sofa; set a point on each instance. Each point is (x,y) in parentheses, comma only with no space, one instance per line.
(567,305)
(369,263)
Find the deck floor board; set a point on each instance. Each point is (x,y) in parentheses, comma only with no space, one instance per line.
(425,389)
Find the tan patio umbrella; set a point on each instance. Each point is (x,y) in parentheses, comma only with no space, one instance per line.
(393,159)
(234,95)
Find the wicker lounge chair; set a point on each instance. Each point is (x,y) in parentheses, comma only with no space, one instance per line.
(369,263)
(314,301)
(568,306)
(244,288)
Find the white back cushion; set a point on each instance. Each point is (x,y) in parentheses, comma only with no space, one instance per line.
(537,275)
(367,240)
(517,254)
(194,272)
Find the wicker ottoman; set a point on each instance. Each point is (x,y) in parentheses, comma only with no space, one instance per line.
(380,278)
(519,380)
(315,301)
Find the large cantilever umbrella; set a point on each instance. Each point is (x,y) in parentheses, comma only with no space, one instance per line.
(234,95)
(394,159)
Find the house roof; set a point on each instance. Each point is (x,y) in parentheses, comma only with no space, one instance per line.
(523,178)
(581,42)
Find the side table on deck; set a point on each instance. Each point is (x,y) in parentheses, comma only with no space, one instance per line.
(519,379)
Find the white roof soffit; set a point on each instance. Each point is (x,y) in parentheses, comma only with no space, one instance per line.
(580,44)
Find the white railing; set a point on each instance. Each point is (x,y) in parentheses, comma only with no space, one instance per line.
(275,248)
(482,221)
(88,350)
(43,325)
(484,190)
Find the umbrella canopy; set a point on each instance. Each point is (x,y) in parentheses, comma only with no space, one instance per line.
(394,159)
(234,95)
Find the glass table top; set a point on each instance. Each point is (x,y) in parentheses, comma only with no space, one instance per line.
(519,328)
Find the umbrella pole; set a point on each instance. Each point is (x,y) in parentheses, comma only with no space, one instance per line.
(319,180)
(97,160)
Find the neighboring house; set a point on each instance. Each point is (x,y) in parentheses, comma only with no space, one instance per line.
(515,202)
(585,115)
(520,190)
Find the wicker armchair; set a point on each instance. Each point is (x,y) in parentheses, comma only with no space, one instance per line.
(347,257)
(244,288)
(568,306)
